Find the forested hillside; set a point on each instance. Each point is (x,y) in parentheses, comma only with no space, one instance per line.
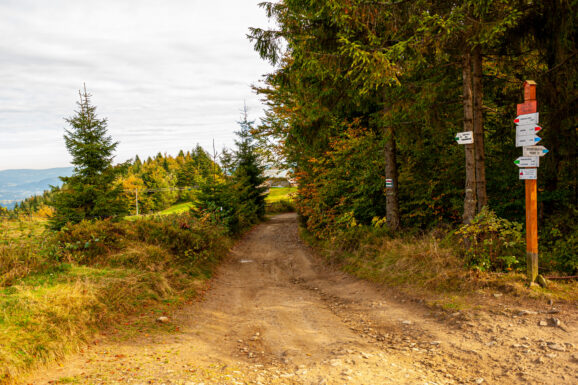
(161,181)
(167,179)
(366,91)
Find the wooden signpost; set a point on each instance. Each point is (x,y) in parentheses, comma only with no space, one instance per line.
(528,115)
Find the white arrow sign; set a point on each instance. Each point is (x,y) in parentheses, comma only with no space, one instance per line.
(528,173)
(528,129)
(535,151)
(527,161)
(529,140)
(465,137)
(527,119)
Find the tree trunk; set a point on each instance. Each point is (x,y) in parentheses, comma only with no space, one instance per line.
(470,193)
(391,196)
(480,154)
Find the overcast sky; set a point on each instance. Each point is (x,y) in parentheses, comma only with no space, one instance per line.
(166,73)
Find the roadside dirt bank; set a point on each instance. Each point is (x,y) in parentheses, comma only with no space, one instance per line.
(275,314)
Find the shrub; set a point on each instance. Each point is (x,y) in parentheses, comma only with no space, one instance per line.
(189,238)
(563,255)
(491,243)
(559,243)
(219,204)
(281,206)
(86,241)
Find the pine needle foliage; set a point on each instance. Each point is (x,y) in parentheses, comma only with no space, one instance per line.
(248,173)
(90,193)
(238,200)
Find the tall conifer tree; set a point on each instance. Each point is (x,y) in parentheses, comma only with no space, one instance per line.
(90,192)
(248,175)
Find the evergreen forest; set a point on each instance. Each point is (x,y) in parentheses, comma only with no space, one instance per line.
(369,91)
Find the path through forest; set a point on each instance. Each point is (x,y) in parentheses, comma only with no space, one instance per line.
(277,315)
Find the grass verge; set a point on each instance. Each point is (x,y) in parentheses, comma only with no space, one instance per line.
(102,275)
(423,267)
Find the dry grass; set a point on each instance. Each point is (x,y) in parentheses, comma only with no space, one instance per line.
(21,228)
(422,268)
(415,262)
(46,316)
(49,308)
(39,323)
(20,242)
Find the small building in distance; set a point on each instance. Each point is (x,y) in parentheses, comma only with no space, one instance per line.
(278,178)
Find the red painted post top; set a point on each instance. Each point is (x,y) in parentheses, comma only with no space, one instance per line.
(530,104)
(528,107)
(529,90)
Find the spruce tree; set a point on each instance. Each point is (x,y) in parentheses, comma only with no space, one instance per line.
(226,161)
(248,175)
(238,199)
(90,193)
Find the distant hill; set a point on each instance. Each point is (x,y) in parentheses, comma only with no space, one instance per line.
(17,185)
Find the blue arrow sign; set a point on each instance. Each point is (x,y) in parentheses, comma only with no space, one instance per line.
(527,140)
(535,151)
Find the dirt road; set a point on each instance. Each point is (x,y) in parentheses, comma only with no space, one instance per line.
(277,315)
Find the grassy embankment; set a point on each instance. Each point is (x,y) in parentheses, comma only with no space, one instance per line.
(427,268)
(58,289)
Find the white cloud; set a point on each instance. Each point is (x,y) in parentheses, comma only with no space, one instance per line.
(167,74)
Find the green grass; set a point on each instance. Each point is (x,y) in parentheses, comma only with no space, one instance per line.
(277,194)
(177,209)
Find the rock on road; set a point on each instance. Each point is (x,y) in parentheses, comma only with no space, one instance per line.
(275,314)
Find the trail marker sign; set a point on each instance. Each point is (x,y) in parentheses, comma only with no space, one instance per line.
(535,151)
(527,129)
(528,174)
(527,161)
(466,137)
(527,140)
(389,183)
(527,119)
